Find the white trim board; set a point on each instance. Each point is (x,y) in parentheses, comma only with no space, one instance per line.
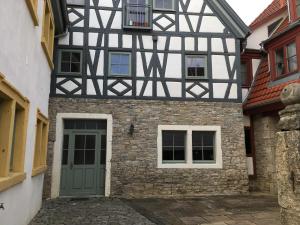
(57,149)
(218,164)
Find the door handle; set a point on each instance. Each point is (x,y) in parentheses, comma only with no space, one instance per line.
(71,165)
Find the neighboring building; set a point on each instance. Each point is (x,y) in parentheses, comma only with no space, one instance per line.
(26,49)
(146,100)
(275,39)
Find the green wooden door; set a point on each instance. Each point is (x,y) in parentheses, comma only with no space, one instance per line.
(83,163)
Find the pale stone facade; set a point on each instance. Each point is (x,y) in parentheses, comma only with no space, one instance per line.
(134,171)
(288,156)
(265,128)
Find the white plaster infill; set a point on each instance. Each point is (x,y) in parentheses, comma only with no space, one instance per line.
(57,149)
(218,164)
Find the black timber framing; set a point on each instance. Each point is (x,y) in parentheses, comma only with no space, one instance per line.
(157,67)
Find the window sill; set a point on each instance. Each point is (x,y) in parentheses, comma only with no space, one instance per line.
(197,78)
(279,77)
(38,171)
(11,180)
(163,10)
(33,12)
(190,166)
(47,53)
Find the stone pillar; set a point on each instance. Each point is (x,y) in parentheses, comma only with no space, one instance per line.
(288,156)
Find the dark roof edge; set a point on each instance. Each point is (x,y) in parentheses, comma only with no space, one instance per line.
(229,17)
(60,16)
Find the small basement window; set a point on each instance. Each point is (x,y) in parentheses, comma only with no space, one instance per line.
(119,64)
(164,5)
(70,62)
(196,66)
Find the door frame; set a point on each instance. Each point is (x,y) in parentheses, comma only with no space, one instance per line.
(57,148)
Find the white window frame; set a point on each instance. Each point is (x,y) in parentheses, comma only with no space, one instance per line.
(217,164)
(164,9)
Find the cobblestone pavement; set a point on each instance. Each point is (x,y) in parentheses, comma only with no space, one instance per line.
(216,210)
(96,211)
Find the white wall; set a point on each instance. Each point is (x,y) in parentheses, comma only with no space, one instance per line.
(261,33)
(25,66)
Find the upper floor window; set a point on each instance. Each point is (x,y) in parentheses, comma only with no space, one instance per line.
(119,64)
(196,66)
(286,59)
(48,32)
(164,4)
(244,74)
(137,14)
(70,61)
(13,127)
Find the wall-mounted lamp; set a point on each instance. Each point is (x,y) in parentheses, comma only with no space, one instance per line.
(131,129)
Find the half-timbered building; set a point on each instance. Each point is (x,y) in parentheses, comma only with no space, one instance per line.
(146,100)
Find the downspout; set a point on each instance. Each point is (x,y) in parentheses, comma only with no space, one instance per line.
(63,7)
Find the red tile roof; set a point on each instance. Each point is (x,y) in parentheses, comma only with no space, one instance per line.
(260,93)
(274,9)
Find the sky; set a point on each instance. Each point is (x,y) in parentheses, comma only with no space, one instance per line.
(248,10)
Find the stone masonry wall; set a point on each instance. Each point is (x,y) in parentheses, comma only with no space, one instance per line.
(134,158)
(265,128)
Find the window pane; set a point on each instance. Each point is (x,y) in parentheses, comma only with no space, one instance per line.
(279,61)
(179,153)
(65,67)
(293,65)
(196,66)
(291,49)
(89,157)
(159,4)
(103,157)
(79,141)
(66,56)
(168,4)
(90,142)
(208,138)
(75,57)
(248,141)
(244,73)
(197,154)
(65,158)
(167,153)
(208,153)
(80,124)
(124,59)
(200,72)
(179,138)
(103,142)
(124,70)
(69,124)
(115,70)
(75,67)
(115,59)
(79,157)
(167,138)
(66,142)
(91,124)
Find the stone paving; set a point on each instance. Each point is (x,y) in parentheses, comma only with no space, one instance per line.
(215,210)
